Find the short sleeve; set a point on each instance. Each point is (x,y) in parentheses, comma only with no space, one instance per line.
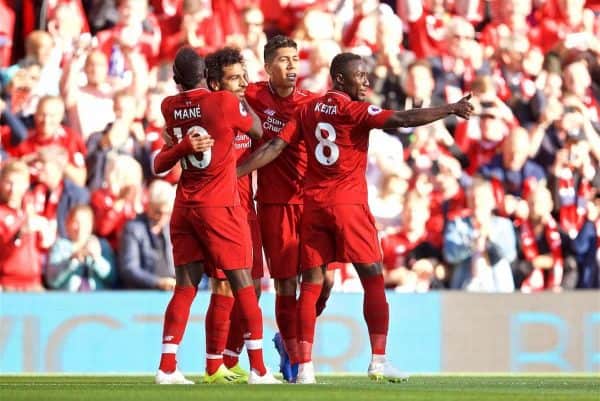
(236,114)
(368,115)
(290,133)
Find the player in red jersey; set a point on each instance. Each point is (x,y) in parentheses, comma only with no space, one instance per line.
(337,223)
(279,193)
(207,207)
(225,71)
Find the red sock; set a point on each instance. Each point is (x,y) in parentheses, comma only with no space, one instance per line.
(176,317)
(376,312)
(216,327)
(253,328)
(235,337)
(286,316)
(307,316)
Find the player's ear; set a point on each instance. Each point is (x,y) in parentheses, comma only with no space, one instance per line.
(339,79)
(214,85)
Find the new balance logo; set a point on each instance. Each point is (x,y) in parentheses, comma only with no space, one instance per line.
(270,112)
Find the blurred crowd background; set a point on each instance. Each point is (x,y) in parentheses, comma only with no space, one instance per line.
(507,201)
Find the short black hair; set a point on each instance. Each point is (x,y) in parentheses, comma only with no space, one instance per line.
(188,68)
(216,61)
(275,43)
(340,63)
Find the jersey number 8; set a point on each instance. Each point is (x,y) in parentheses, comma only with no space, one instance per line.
(333,151)
(192,159)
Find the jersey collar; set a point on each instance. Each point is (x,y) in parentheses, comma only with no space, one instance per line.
(274,92)
(339,93)
(196,90)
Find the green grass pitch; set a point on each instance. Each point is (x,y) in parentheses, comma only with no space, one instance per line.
(330,388)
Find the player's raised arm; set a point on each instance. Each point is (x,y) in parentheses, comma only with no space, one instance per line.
(415,117)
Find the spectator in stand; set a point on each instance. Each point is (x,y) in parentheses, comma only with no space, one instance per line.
(568,26)
(511,18)
(390,63)
(578,84)
(481,137)
(50,131)
(80,261)
(123,136)
(23,233)
(90,106)
(12,129)
(40,49)
(197,28)
(426,20)
(136,31)
(409,259)
(7,28)
(360,36)
(318,80)
(481,247)
(21,92)
(252,42)
(66,23)
(386,206)
(518,65)
(457,67)
(513,175)
(55,194)
(119,199)
(145,260)
(540,247)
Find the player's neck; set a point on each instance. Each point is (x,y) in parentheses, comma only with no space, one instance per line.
(283,91)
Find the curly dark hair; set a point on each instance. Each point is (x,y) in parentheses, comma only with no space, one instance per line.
(188,68)
(216,61)
(275,43)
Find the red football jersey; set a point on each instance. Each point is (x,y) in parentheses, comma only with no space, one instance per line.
(336,132)
(64,137)
(20,262)
(281,181)
(208,179)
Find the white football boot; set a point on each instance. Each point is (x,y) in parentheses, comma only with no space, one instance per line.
(306,373)
(267,378)
(384,371)
(175,377)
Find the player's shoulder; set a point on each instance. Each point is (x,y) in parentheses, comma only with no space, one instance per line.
(255,89)
(303,96)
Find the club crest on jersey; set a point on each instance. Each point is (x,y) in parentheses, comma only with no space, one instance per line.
(373,110)
(243,110)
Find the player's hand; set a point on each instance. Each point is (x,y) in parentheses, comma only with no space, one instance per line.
(201,142)
(166,283)
(463,108)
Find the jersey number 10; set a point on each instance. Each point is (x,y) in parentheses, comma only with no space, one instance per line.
(192,159)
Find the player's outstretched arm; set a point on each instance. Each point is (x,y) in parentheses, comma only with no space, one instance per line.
(262,156)
(168,156)
(415,117)
(256,132)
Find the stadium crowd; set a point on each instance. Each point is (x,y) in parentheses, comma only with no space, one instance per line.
(506,201)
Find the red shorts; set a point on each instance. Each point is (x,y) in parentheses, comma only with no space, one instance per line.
(220,236)
(342,233)
(257,256)
(280,229)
